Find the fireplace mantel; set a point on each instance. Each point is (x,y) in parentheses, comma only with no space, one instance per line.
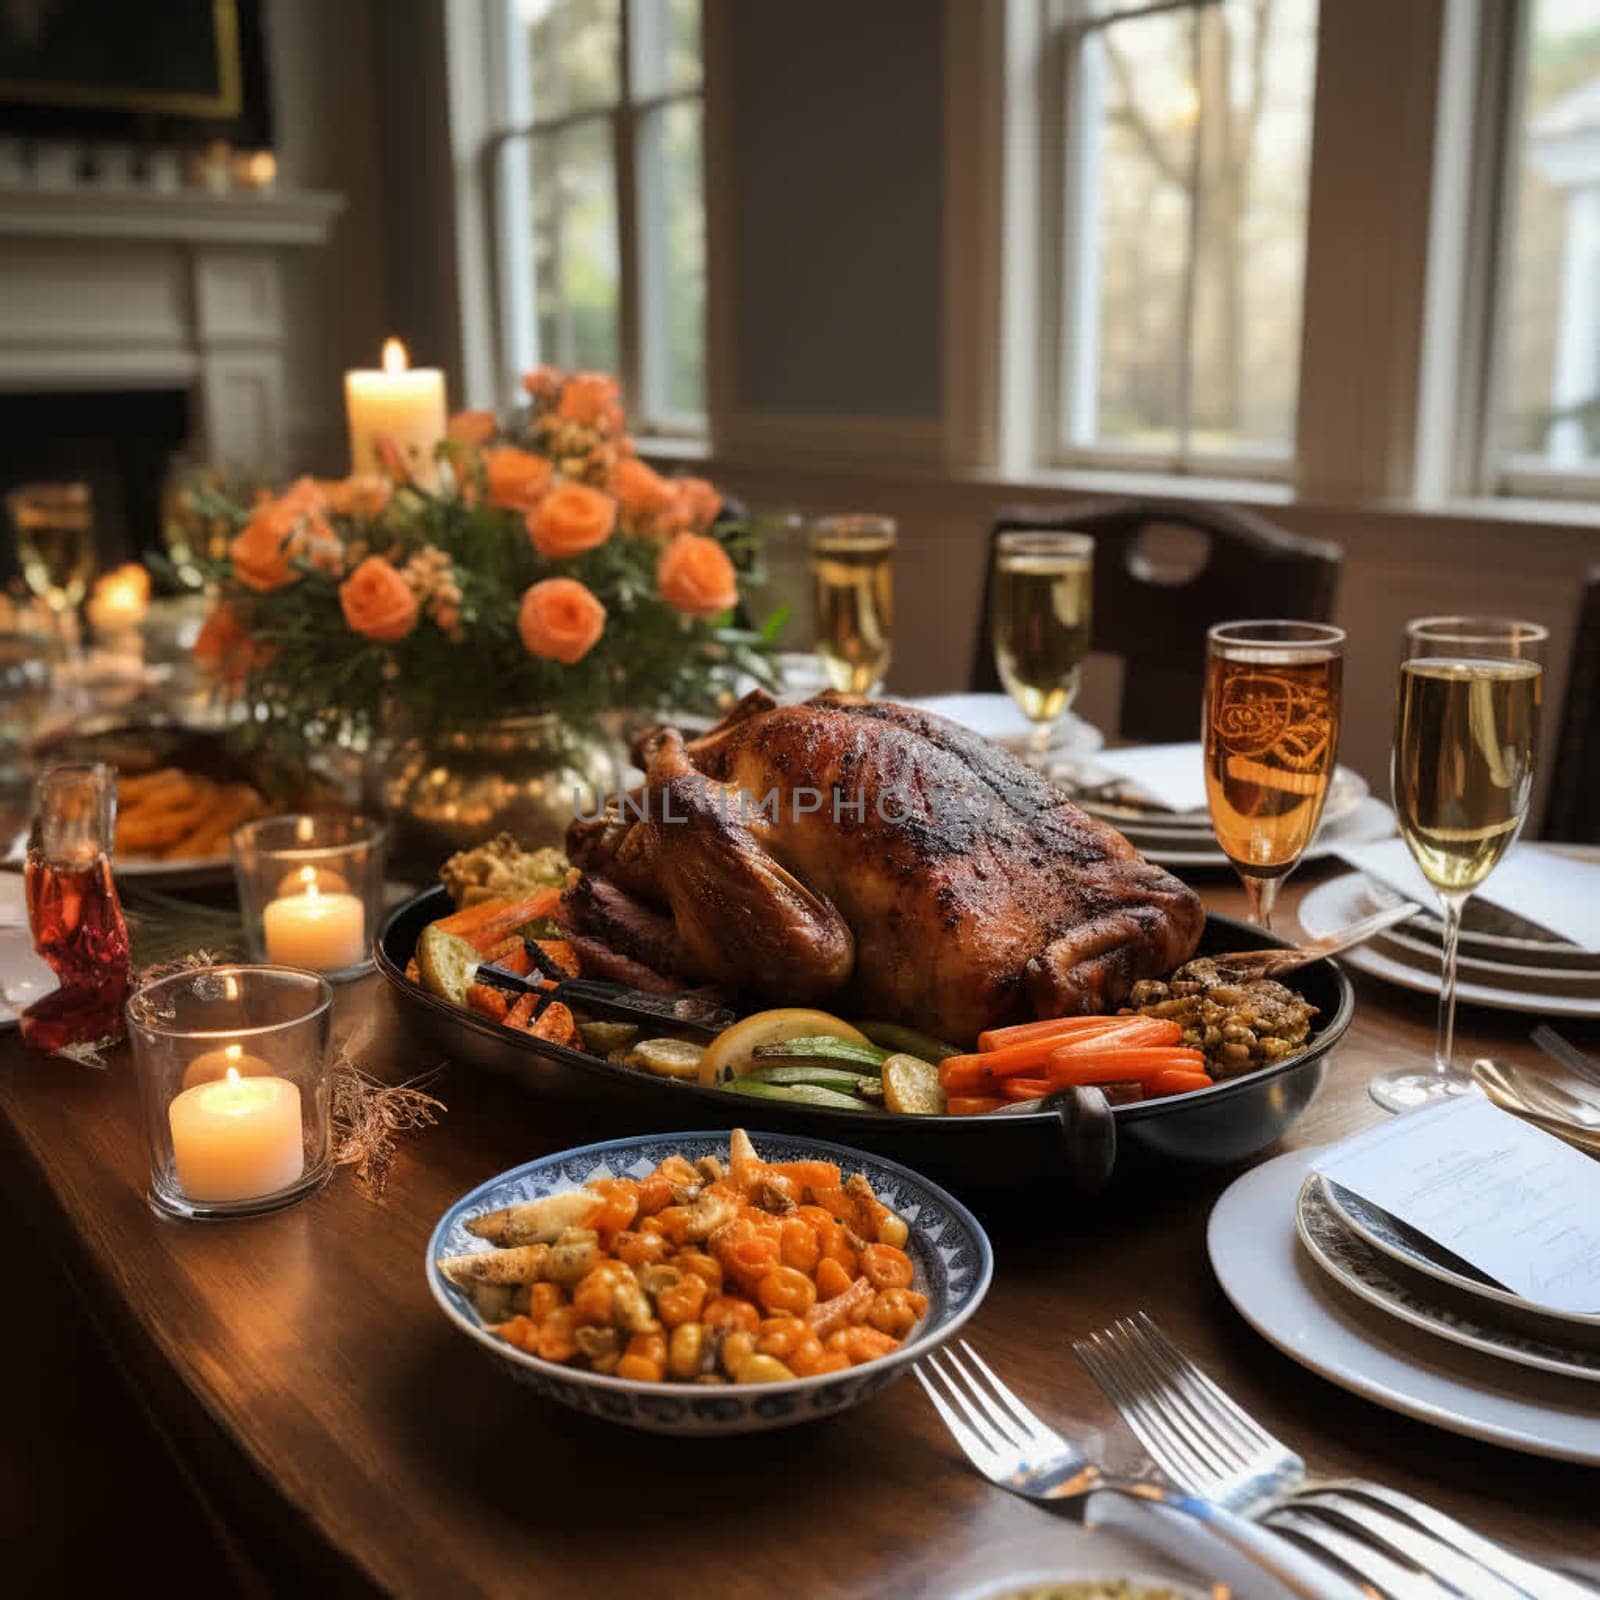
(104,288)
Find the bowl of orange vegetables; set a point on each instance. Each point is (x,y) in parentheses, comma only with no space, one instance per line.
(697,1283)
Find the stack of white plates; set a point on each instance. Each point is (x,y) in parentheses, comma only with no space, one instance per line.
(1503,961)
(1345,1290)
(1351,815)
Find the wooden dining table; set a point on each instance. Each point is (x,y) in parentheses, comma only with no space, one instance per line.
(345,1436)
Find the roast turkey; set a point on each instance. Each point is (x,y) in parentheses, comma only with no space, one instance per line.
(874,859)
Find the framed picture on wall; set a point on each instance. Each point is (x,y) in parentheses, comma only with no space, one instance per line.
(147,71)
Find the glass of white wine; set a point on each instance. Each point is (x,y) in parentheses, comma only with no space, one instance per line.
(1466,733)
(852,571)
(1041,608)
(53,524)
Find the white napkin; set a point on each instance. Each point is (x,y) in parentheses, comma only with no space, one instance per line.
(1515,1201)
(995,716)
(1559,892)
(1173,775)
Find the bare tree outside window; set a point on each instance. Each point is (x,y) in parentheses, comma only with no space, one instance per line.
(1188,130)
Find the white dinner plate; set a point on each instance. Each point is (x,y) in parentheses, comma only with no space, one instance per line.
(1286,1298)
(24,977)
(1355,1266)
(1371,821)
(1481,943)
(1343,900)
(1346,791)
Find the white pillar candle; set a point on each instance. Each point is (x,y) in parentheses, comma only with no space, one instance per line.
(215,1064)
(300,880)
(324,932)
(399,403)
(237,1138)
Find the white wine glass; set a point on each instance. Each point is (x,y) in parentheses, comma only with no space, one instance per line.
(1041,611)
(1274,691)
(852,572)
(1466,734)
(53,525)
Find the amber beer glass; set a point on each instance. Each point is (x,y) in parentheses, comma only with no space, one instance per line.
(852,571)
(1271,742)
(1466,731)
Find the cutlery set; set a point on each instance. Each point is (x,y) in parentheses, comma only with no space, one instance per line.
(1327,1539)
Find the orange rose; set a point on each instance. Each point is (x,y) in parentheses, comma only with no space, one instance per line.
(560,620)
(698,503)
(542,381)
(695,575)
(261,552)
(377,602)
(363,494)
(473,428)
(642,491)
(517,478)
(572,518)
(305,497)
(224,646)
(588,398)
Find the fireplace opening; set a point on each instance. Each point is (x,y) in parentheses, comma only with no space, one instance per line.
(120,442)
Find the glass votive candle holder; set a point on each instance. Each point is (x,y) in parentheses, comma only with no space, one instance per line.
(232,1069)
(311,890)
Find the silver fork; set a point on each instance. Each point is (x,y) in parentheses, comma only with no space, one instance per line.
(1010,1446)
(1567,1053)
(1207,1442)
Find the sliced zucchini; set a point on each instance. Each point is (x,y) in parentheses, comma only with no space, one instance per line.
(845,1079)
(604,1037)
(805,1094)
(895,1037)
(834,1052)
(667,1058)
(870,1089)
(447,964)
(730,1054)
(911,1087)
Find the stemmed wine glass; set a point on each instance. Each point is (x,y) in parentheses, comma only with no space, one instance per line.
(53,524)
(852,571)
(1271,743)
(1041,604)
(1465,735)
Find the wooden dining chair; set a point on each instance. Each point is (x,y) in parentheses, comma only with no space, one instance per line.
(1572,804)
(1155,619)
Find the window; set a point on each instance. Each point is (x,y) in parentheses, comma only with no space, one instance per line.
(1549,390)
(600,198)
(1186,131)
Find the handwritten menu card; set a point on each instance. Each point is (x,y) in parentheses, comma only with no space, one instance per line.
(1509,1198)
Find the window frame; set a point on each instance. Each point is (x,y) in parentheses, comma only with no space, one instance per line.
(1490,470)
(1066,175)
(641,288)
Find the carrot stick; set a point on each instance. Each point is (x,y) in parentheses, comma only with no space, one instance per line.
(1026,1088)
(1174,1080)
(555,1023)
(510,916)
(982,1072)
(1135,1031)
(1119,1066)
(489,1002)
(971,1105)
(464,921)
(1061,1028)
(521,1013)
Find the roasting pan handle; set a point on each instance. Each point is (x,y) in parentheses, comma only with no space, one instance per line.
(1088,1133)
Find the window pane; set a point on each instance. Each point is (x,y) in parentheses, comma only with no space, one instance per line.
(1189,239)
(573,51)
(666,46)
(1552,394)
(575,246)
(673,266)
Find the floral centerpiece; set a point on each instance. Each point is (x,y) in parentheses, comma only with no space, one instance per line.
(553,571)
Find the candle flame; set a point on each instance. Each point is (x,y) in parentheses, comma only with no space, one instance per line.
(394,356)
(233,1072)
(308,876)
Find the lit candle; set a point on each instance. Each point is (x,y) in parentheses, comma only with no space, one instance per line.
(121,599)
(401,404)
(215,1064)
(324,932)
(237,1138)
(303,879)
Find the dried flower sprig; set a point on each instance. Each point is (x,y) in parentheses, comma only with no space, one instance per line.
(368,1118)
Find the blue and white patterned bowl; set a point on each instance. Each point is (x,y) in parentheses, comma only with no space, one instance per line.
(949,1252)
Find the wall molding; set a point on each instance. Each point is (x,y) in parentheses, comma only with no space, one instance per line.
(276,217)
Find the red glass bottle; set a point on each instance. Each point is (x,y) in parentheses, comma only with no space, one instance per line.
(74,912)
